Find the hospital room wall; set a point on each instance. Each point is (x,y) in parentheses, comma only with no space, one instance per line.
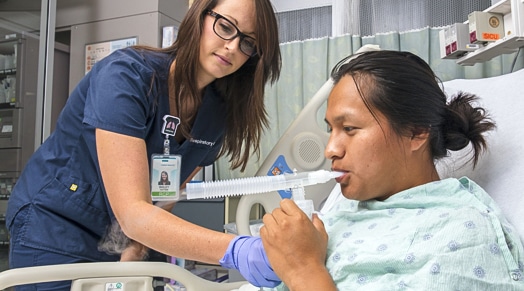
(97,21)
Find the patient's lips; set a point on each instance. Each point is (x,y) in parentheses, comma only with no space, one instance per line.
(342,175)
(339,179)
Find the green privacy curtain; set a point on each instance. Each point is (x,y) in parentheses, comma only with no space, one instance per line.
(306,66)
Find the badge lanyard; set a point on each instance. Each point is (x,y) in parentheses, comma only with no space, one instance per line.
(165,167)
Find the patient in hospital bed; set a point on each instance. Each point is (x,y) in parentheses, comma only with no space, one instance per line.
(402,226)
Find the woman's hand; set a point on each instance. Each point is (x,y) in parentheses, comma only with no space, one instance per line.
(296,247)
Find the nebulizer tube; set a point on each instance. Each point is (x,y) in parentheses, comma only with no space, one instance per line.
(255,185)
(260,184)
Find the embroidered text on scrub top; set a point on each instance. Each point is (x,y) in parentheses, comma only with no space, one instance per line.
(204,142)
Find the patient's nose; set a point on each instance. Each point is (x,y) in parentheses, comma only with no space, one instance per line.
(333,149)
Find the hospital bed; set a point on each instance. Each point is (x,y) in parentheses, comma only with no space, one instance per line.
(112,276)
(500,172)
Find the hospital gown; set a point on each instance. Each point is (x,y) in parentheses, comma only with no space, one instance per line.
(444,235)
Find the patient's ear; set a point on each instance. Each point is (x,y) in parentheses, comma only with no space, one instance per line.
(419,139)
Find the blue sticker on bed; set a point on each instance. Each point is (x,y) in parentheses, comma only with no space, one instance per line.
(280,167)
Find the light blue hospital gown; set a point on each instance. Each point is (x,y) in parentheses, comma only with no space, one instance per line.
(445,235)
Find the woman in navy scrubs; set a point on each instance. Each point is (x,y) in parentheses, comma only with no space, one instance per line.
(94,170)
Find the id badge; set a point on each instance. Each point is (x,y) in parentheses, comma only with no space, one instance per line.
(165,177)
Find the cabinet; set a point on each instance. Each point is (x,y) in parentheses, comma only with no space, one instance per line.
(18,88)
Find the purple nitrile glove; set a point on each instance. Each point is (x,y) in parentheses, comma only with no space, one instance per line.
(246,254)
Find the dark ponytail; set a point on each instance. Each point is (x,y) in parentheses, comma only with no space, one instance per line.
(464,123)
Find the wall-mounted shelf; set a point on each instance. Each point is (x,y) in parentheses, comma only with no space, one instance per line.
(503,7)
(513,11)
(505,45)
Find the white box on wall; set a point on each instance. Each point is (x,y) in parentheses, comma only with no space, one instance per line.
(485,26)
(454,41)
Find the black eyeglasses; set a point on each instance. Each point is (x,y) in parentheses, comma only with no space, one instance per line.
(226,30)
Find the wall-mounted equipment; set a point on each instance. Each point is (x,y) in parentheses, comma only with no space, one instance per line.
(495,31)
(454,41)
(485,26)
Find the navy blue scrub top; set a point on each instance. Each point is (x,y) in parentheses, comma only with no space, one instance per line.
(117,95)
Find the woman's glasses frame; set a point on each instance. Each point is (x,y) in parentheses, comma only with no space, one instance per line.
(227,30)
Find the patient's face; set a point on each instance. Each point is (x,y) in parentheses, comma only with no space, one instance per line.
(369,153)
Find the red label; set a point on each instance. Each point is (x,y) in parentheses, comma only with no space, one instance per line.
(490,36)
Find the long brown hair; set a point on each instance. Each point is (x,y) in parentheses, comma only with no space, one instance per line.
(242,90)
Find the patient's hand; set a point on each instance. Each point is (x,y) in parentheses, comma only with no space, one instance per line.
(296,247)
(134,252)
